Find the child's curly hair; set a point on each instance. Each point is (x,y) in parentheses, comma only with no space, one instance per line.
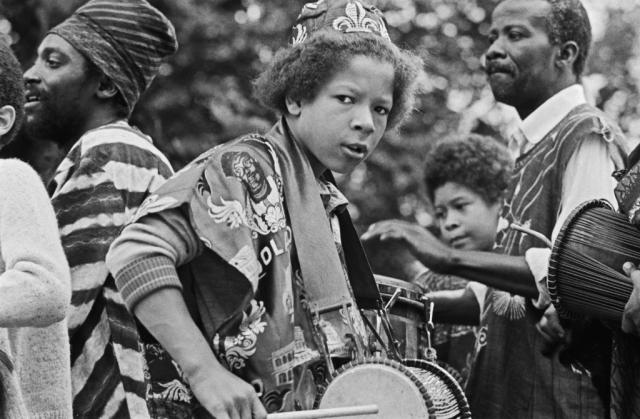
(299,71)
(477,162)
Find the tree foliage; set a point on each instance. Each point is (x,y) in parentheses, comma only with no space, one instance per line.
(202,97)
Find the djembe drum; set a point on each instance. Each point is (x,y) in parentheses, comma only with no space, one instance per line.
(409,390)
(585,269)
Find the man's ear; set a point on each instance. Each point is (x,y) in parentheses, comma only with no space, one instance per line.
(7,119)
(106,88)
(293,106)
(567,54)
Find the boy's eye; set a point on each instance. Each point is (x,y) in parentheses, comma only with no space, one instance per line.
(492,38)
(515,35)
(382,110)
(439,215)
(345,98)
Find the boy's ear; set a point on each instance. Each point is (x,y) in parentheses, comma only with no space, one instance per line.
(7,118)
(293,106)
(106,88)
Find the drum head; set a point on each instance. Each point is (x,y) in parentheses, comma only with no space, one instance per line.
(397,391)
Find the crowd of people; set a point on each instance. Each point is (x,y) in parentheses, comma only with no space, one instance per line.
(236,286)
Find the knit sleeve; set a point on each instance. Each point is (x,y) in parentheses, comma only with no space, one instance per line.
(35,284)
(144,258)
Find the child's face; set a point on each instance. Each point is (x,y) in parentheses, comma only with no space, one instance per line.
(344,123)
(465,219)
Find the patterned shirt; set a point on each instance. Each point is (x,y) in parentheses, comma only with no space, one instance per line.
(97,188)
(233,200)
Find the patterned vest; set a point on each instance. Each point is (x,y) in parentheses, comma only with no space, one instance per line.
(510,377)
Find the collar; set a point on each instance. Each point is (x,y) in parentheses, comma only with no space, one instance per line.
(333,200)
(541,121)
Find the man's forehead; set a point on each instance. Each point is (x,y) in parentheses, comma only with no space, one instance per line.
(522,11)
(55,43)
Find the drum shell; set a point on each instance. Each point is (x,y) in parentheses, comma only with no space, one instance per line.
(605,283)
(406,316)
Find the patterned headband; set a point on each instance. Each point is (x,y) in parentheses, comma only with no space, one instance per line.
(340,15)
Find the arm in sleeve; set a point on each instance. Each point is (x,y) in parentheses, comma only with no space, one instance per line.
(144,257)
(35,286)
(587,177)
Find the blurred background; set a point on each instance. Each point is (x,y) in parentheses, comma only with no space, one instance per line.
(202,97)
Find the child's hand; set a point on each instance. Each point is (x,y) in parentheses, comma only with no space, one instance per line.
(631,315)
(226,396)
(425,246)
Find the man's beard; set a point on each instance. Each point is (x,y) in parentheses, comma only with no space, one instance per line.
(50,124)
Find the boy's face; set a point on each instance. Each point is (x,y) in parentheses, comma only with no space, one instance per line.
(466,221)
(59,89)
(344,123)
(520,59)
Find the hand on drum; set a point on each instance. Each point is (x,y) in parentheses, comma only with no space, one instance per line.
(225,396)
(425,246)
(631,315)
(552,332)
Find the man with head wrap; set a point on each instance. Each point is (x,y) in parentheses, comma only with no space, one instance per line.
(89,72)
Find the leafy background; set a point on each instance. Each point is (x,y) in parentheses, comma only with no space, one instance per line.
(202,97)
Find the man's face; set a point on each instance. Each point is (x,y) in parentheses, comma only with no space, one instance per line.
(520,59)
(247,169)
(59,90)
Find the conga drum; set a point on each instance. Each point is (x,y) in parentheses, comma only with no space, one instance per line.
(406,314)
(415,389)
(585,270)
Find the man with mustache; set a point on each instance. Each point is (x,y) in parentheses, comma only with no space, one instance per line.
(565,153)
(88,75)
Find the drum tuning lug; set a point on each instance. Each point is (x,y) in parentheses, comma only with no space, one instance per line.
(430,354)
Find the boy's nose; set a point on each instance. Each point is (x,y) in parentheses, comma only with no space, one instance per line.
(363,119)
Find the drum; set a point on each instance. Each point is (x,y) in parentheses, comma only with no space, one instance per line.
(418,389)
(585,269)
(406,314)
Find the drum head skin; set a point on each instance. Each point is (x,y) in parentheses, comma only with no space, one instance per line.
(398,393)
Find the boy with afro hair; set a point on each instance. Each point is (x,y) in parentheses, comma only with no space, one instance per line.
(229,261)
(466,179)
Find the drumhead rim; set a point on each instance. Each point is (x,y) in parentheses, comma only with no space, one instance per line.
(449,380)
(554,268)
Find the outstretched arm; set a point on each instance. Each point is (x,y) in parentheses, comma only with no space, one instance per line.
(509,273)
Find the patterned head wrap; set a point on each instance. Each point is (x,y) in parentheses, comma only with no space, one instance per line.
(340,15)
(126,39)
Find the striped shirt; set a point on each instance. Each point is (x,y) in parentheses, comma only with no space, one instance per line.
(96,189)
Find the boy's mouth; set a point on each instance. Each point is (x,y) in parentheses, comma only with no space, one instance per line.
(356,150)
(458,241)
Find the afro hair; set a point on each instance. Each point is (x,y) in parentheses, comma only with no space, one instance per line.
(477,162)
(300,71)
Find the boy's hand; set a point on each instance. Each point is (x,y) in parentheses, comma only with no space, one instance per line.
(425,246)
(631,315)
(224,395)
